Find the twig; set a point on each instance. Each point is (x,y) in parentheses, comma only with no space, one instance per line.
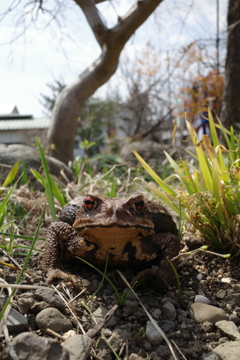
(122,349)
(7,310)
(17,265)
(180,352)
(95,356)
(11,350)
(75,297)
(65,302)
(150,317)
(92,332)
(54,334)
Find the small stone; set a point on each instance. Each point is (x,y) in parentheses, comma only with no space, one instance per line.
(221,294)
(69,334)
(234,318)
(135,357)
(169,311)
(16,322)
(226,280)
(39,306)
(106,332)
(24,304)
(129,307)
(233,300)
(204,312)
(153,335)
(49,296)
(100,313)
(157,312)
(85,282)
(210,356)
(147,346)
(229,329)
(229,350)
(53,319)
(168,326)
(130,295)
(201,299)
(2,274)
(29,346)
(199,277)
(78,347)
(118,338)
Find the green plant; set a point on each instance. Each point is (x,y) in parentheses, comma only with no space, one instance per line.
(23,268)
(49,184)
(208,194)
(121,297)
(11,175)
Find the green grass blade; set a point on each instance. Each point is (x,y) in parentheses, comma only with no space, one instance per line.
(179,171)
(204,167)
(213,130)
(152,173)
(48,183)
(11,175)
(24,265)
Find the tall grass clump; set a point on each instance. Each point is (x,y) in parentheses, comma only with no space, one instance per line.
(206,192)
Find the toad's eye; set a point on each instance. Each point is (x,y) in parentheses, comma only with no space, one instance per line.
(139,204)
(89,204)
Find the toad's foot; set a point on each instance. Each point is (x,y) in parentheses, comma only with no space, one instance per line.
(56,274)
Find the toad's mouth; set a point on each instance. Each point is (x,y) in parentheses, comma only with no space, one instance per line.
(113,235)
(115,226)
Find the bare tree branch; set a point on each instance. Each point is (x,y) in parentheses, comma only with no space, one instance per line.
(69,103)
(93,17)
(133,19)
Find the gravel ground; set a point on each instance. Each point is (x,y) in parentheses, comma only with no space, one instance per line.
(204,323)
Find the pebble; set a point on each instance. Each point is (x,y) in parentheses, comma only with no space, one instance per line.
(153,335)
(204,312)
(100,313)
(39,306)
(234,318)
(16,322)
(221,294)
(201,299)
(49,296)
(119,337)
(69,334)
(168,326)
(24,303)
(157,312)
(226,280)
(78,347)
(30,346)
(130,295)
(135,357)
(233,300)
(230,350)
(53,319)
(199,277)
(169,311)
(229,329)
(129,307)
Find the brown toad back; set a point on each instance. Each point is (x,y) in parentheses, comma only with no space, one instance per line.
(128,231)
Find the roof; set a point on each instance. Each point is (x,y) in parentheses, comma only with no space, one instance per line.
(23,124)
(8,109)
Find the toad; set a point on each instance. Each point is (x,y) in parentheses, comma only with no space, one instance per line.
(127,232)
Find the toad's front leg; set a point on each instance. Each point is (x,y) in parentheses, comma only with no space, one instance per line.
(166,246)
(58,235)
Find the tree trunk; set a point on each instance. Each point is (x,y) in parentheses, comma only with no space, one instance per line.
(231,98)
(69,103)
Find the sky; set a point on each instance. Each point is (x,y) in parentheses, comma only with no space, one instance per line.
(39,52)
